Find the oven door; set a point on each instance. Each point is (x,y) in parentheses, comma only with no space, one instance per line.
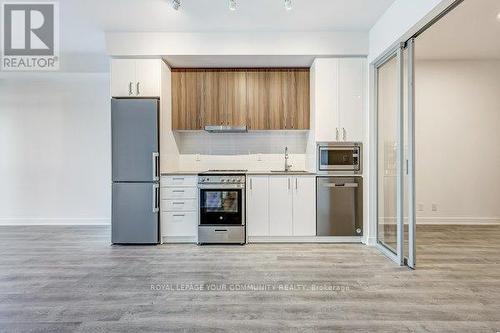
(222,206)
(338,158)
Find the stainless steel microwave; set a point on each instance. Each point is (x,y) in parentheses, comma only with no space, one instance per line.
(339,157)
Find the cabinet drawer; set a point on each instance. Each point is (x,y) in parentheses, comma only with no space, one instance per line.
(182,181)
(179,193)
(179,205)
(179,224)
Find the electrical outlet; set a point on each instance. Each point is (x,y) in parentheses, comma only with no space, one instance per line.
(434,207)
(420,207)
(259,157)
(198,158)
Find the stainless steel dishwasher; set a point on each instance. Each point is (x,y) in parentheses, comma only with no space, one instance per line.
(339,206)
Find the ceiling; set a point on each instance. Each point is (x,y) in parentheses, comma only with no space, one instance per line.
(84,22)
(469,32)
(214,15)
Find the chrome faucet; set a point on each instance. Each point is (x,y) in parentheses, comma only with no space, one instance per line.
(287,166)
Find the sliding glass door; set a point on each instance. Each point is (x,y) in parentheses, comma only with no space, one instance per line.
(394,151)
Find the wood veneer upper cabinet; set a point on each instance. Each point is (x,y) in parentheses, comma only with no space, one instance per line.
(233,95)
(211,98)
(186,101)
(257,101)
(276,100)
(301,119)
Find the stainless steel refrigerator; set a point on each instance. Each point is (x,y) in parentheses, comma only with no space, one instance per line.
(135,171)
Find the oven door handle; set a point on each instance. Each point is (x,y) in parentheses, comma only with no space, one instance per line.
(221,187)
(220,230)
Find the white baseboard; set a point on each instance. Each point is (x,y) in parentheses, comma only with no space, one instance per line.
(450,220)
(459,220)
(303,239)
(179,239)
(53,221)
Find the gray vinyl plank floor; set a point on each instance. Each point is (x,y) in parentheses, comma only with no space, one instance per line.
(70,279)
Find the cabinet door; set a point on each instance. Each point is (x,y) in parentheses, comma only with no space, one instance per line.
(186,100)
(148,77)
(295,85)
(324,95)
(280,206)
(122,77)
(236,98)
(257,205)
(211,98)
(351,87)
(303,100)
(304,206)
(275,98)
(257,101)
(289,98)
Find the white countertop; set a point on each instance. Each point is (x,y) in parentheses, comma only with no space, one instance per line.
(249,172)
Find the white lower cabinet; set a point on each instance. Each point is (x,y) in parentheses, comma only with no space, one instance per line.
(304,206)
(257,206)
(179,208)
(281,206)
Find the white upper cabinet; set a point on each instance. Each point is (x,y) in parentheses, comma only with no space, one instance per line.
(351,98)
(304,206)
(257,205)
(148,77)
(324,97)
(280,206)
(337,98)
(135,77)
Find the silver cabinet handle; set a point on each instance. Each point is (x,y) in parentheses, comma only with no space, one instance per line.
(288,183)
(344,133)
(137,89)
(179,215)
(296,184)
(156,198)
(337,133)
(156,164)
(251,184)
(345,185)
(130,88)
(177,203)
(178,178)
(178,191)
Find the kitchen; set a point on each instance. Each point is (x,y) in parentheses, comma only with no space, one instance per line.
(243,166)
(246,154)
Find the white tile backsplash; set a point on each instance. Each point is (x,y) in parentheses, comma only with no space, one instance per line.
(259,142)
(255,151)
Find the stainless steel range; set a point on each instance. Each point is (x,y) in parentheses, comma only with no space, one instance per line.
(222,207)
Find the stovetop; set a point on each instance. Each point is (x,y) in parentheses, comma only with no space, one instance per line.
(222,177)
(224,172)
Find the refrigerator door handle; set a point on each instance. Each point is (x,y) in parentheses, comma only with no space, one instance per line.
(156,162)
(156,198)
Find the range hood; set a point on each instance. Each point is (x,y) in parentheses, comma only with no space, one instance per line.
(225,129)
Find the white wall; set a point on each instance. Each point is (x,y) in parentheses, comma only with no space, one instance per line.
(457,138)
(237,43)
(403,19)
(54,148)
